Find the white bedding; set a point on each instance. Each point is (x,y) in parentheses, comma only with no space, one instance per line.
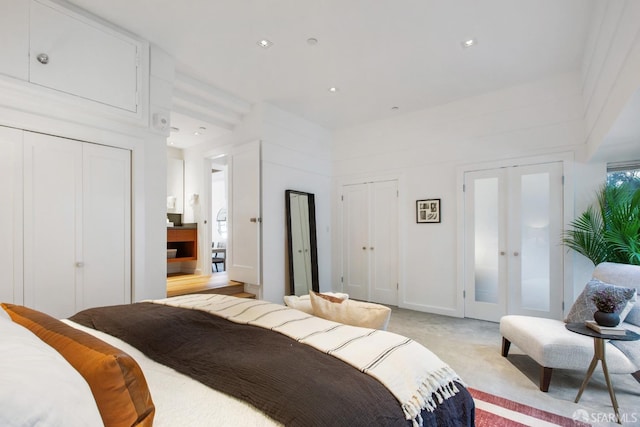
(181,401)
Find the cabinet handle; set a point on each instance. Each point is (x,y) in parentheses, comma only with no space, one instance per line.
(43,58)
(364,248)
(79,264)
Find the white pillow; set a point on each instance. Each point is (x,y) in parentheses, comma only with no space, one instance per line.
(303,302)
(39,387)
(351,312)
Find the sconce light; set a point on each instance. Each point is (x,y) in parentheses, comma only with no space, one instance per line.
(171,202)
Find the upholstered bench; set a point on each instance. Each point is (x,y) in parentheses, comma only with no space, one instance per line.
(551,345)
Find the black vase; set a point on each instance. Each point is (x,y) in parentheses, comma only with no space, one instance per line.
(606,319)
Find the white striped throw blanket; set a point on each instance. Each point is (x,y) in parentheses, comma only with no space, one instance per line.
(412,373)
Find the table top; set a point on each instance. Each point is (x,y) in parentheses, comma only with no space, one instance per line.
(581,328)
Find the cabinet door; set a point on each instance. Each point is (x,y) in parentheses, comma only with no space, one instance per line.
(52,222)
(106,218)
(11,215)
(84,58)
(14,38)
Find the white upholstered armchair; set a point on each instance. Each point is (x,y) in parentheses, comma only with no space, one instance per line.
(551,345)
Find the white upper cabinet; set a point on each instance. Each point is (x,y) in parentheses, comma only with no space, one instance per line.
(73,54)
(47,44)
(14,38)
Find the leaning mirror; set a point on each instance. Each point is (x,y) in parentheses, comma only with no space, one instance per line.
(301,240)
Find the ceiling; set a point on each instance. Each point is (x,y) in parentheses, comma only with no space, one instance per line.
(385,57)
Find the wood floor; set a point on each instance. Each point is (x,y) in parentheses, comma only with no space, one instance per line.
(219,283)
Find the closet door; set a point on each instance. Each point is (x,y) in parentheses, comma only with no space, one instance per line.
(370,241)
(355,240)
(106,237)
(11,215)
(52,223)
(513,256)
(77,225)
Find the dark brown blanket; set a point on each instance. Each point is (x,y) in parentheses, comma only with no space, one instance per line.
(290,382)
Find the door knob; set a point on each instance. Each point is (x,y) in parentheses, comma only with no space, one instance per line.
(43,58)
(516,253)
(502,253)
(371,248)
(79,264)
(364,248)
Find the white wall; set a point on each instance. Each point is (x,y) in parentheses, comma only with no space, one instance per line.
(295,155)
(428,148)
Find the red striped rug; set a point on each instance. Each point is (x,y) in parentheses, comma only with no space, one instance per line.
(494,411)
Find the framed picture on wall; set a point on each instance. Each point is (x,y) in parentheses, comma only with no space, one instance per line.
(428,211)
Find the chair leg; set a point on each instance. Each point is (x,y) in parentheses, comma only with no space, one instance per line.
(506,344)
(545,378)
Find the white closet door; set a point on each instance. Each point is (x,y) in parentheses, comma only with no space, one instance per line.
(52,222)
(11,215)
(106,211)
(383,243)
(370,241)
(355,240)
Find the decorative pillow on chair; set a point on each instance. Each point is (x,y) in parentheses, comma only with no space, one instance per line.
(350,312)
(583,308)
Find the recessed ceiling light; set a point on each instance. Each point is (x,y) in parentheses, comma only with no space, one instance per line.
(333,89)
(468,43)
(395,108)
(264,43)
(311,41)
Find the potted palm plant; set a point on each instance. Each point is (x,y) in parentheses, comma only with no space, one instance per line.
(608,230)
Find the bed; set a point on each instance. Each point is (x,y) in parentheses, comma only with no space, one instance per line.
(216,360)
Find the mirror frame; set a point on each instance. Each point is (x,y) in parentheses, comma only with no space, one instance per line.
(315,285)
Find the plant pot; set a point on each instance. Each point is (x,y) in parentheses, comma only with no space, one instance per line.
(606,319)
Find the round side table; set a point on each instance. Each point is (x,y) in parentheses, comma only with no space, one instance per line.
(599,341)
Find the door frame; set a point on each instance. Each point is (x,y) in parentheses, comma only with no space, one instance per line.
(567,159)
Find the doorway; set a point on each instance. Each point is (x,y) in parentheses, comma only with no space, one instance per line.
(218,221)
(513,258)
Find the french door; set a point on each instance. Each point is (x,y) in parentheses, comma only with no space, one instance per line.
(513,226)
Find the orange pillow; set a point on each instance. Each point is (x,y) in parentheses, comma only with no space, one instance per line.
(115,379)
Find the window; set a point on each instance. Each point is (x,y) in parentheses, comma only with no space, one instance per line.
(623,172)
